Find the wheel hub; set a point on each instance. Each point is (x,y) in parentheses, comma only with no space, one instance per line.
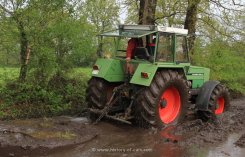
(216,106)
(220,105)
(163,103)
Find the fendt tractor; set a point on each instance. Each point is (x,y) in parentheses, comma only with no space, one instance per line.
(157,86)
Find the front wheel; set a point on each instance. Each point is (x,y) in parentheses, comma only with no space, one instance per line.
(218,103)
(164,102)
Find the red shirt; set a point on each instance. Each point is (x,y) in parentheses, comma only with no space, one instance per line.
(151,44)
(132,44)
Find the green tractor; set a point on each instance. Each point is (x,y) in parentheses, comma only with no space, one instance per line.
(157,86)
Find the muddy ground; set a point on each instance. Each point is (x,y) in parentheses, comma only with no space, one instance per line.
(76,137)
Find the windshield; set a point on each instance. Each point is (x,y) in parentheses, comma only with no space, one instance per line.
(119,44)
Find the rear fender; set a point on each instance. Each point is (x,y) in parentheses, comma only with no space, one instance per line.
(205,94)
(112,70)
(151,70)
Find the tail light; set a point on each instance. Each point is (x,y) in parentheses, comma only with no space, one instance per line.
(95,67)
(144,75)
(95,70)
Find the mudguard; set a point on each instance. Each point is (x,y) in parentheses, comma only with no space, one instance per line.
(150,69)
(204,95)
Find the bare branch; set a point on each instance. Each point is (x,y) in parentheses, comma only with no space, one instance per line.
(215,28)
(137,4)
(13,5)
(237,3)
(5,9)
(217,2)
(167,16)
(213,15)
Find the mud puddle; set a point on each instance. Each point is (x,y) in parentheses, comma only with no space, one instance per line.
(76,137)
(228,148)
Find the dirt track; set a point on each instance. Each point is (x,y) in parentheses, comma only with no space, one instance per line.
(76,137)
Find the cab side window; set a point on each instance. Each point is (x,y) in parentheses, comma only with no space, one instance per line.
(165,48)
(181,49)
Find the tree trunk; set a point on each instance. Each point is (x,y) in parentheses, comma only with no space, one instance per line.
(7,58)
(147,12)
(100,50)
(24,51)
(190,22)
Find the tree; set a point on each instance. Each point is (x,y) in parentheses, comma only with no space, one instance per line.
(60,40)
(103,14)
(141,11)
(147,12)
(8,39)
(221,19)
(171,13)
(16,10)
(191,21)
(52,31)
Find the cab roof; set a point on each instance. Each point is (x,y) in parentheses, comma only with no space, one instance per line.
(137,31)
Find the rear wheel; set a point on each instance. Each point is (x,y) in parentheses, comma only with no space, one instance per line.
(97,94)
(164,102)
(218,103)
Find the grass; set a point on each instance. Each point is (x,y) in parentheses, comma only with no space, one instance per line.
(10,73)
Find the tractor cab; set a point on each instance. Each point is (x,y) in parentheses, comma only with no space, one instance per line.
(159,43)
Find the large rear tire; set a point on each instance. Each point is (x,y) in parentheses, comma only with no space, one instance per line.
(219,102)
(97,94)
(164,102)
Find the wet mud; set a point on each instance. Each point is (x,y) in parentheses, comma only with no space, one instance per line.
(241,141)
(77,137)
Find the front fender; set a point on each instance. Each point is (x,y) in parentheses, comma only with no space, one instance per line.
(204,95)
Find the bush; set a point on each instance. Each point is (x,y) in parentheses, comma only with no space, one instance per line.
(227,64)
(62,95)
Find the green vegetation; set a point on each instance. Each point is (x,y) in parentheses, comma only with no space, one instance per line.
(62,95)
(7,74)
(226,61)
(11,73)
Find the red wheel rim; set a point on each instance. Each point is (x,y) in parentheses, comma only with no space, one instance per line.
(170,111)
(220,106)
